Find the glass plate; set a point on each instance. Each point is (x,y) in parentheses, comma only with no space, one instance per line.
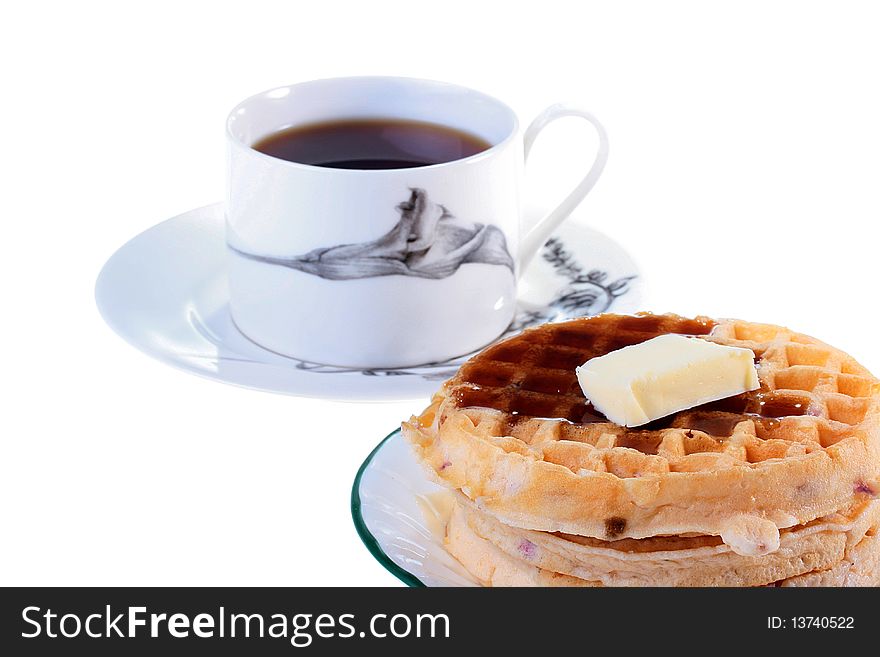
(400,516)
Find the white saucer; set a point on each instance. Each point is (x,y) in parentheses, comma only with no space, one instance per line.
(165,293)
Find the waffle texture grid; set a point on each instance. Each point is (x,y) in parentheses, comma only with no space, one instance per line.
(762,488)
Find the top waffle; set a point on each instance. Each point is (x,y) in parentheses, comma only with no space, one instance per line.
(513,431)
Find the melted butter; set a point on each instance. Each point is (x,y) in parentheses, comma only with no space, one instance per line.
(436,510)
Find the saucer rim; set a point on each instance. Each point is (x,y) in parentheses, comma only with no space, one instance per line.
(367,537)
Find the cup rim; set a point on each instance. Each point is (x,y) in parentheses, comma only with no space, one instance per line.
(476,157)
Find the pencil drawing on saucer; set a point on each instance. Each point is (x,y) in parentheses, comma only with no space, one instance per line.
(427,242)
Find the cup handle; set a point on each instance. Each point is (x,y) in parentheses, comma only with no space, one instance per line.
(538,234)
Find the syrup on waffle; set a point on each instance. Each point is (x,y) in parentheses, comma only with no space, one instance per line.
(534,377)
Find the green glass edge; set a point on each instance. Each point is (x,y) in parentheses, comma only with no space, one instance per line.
(366,536)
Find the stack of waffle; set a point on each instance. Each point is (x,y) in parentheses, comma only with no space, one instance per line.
(778,486)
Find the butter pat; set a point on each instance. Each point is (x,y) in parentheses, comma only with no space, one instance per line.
(670,373)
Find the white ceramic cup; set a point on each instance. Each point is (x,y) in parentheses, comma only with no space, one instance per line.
(382,268)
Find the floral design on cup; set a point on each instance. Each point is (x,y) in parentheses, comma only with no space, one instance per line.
(427,242)
(584,292)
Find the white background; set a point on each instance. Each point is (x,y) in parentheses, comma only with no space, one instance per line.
(744,171)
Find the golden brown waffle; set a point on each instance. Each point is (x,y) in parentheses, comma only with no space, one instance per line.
(491,566)
(859,567)
(675,560)
(514,433)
